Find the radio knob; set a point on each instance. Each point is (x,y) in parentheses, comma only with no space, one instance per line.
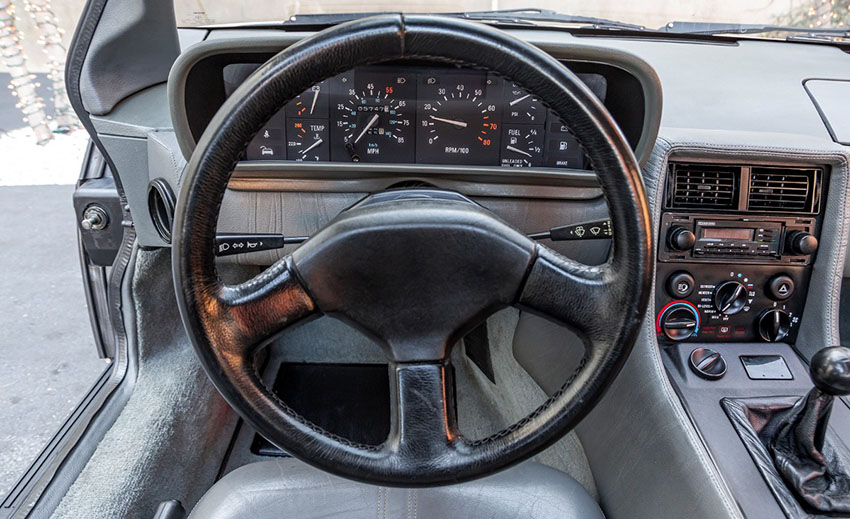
(680,238)
(679,322)
(730,297)
(800,242)
(774,325)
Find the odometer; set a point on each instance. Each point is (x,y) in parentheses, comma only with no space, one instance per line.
(373,121)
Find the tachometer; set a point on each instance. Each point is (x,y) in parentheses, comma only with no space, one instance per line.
(459,124)
(373,122)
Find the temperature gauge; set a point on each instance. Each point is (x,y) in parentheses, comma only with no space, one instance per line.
(307,140)
(522,146)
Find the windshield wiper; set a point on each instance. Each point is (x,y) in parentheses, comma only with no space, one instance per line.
(711,28)
(528,17)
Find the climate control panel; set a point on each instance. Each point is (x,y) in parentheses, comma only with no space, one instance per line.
(729,303)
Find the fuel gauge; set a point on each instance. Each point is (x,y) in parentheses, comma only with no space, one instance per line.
(522,146)
(307,140)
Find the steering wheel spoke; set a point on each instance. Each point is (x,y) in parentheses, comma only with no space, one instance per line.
(580,296)
(423,424)
(257,309)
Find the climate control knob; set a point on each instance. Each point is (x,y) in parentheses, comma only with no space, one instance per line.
(679,321)
(679,238)
(730,297)
(774,325)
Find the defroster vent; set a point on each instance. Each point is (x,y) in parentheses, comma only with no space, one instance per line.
(703,186)
(783,189)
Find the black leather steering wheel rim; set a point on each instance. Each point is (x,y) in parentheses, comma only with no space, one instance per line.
(226,323)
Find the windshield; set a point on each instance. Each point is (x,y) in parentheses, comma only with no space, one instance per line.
(652,14)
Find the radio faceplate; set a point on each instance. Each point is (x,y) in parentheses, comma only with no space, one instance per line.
(738,239)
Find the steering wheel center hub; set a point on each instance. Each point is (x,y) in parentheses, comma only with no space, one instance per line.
(415,270)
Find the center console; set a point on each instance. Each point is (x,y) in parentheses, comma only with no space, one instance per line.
(737,244)
(735,259)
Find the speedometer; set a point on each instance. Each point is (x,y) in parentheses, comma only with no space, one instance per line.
(373,121)
(458,118)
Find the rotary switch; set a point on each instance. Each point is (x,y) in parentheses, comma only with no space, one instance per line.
(681,239)
(730,297)
(774,325)
(679,321)
(800,242)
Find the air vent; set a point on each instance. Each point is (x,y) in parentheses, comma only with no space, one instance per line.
(704,186)
(783,189)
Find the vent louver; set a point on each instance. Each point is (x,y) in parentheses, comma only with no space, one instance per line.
(704,186)
(782,189)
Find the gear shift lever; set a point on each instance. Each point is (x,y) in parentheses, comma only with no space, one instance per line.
(795,437)
(830,372)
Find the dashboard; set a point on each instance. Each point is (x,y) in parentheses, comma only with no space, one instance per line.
(413,113)
(417,115)
(748,185)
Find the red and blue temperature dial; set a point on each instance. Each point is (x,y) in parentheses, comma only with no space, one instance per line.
(678,320)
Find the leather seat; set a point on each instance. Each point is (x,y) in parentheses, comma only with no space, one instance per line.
(289,489)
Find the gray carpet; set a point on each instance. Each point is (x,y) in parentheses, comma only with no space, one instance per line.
(170,439)
(485,408)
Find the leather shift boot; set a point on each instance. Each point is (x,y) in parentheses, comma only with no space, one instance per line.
(795,439)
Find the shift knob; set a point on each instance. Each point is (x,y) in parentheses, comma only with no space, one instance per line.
(830,370)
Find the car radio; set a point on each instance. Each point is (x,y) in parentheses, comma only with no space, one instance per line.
(731,238)
(732,277)
(744,239)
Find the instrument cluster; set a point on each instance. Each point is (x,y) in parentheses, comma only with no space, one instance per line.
(417,115)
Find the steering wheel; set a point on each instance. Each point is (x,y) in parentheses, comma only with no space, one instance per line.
(415,270)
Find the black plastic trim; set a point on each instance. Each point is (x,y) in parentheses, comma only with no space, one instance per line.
(161,202)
